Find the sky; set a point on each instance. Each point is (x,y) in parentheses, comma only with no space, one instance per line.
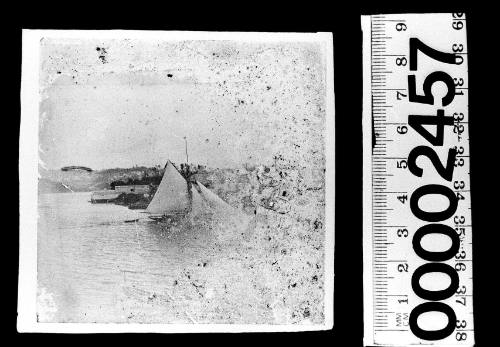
(121,103)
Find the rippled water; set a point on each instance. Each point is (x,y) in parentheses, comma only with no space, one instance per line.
(92,266)
(217,266)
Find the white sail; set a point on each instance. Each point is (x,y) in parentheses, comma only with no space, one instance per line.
(212,199)
(228,220)
(198,204)
(172,194)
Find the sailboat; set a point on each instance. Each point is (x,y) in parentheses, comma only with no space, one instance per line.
(175,197)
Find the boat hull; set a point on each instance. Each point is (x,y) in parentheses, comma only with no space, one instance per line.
(170,219)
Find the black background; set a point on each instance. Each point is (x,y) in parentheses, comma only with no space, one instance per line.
(344,22)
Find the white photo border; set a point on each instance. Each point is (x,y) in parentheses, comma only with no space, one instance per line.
(28,182)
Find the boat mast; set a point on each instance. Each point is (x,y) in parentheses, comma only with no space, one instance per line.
(187,157)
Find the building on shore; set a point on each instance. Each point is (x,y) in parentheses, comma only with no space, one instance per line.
(104,196)
(114,195)
(133,189)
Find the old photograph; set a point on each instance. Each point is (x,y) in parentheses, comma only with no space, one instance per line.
(176,181)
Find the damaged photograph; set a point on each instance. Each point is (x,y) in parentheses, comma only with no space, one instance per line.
(176,181)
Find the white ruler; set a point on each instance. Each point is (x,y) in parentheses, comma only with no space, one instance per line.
(417,220)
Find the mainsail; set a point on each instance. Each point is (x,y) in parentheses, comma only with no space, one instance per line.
(172,195)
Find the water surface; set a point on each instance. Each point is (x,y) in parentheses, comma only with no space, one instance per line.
(93,266)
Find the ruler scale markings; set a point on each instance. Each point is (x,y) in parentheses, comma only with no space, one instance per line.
(389,224)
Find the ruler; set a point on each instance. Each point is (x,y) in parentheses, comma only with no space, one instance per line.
(416,189)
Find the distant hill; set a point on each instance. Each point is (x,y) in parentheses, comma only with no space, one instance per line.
(87,181)
(52,181)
